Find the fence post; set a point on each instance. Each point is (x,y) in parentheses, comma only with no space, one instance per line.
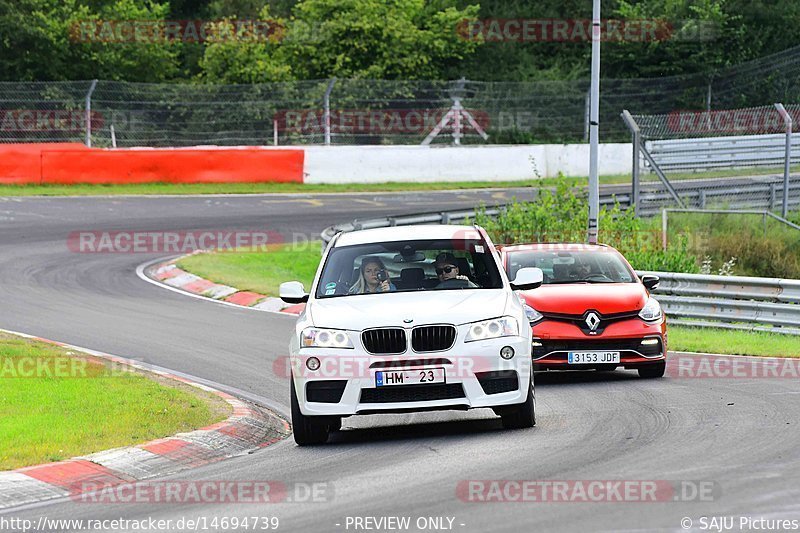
(457,121)
(787,121)
(636,141)
(89,113)
(327,106)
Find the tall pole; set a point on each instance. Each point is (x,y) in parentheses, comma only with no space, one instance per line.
(594,183)
(88,111)
(326,102)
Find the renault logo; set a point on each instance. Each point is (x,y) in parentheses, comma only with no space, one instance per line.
(592,320)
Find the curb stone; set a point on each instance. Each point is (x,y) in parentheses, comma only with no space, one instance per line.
(168,273)
(248,429)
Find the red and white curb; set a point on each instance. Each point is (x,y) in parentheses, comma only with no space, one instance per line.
(168,274)
(249,428)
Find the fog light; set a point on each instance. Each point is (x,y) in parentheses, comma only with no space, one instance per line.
(312,363)
(506,352)
(649,342)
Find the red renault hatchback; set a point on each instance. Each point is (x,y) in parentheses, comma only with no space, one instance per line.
(592,310)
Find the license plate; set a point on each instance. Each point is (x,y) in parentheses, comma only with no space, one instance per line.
(385,378)
(592,358)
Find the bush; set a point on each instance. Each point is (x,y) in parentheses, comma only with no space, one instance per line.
(560,216)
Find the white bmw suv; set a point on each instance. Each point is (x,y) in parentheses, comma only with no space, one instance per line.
(407,319)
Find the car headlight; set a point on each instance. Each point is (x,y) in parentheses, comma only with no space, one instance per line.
(504,326)
(651,311)
(532,314)
(325,338)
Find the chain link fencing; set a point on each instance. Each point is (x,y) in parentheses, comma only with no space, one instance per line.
(358,111)
(744,158)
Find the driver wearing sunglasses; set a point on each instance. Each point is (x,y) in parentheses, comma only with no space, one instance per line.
(446,269)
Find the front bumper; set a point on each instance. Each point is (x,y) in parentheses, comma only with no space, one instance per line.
(639,343)
(475,376)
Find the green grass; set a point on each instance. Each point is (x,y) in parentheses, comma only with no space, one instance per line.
(710,340)
(262,272)
(762,247)
(85,189)
(86,406)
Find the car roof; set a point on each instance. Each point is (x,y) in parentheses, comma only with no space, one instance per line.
(407,233)
(558,247)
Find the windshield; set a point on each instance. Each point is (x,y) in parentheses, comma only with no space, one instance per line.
(420,265)
(579,266)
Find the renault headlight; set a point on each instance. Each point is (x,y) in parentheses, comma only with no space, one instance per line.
(504,326)
(651,311)
(325,338)
(532,314)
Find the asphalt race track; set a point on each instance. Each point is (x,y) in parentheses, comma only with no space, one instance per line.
(739,434)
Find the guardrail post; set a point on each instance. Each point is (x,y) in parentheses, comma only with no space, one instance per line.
(664,229)
(773,196)
(635,173)
(787,121)
(326,101)
(89,113)
(701,198)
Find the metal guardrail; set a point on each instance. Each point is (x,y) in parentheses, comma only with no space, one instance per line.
(765,194)
(733,302)
(730,302)
(722,152)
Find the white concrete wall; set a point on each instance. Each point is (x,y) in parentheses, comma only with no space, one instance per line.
(374,164)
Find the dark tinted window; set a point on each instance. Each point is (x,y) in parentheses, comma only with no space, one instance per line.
(590,266)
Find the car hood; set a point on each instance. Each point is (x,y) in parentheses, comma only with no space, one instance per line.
(391,309)
(577,298)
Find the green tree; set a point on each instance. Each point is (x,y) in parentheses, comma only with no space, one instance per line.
(255,57)
(58,40)
(386,39)
(382,39)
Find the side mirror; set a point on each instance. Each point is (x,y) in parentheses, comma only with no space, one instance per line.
(293,292)
(650,282)
(527,278)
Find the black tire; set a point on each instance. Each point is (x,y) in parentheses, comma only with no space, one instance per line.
(307,429)
(523,415)
(653,371)
(335,423)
